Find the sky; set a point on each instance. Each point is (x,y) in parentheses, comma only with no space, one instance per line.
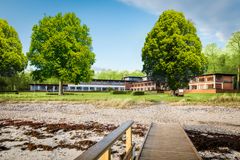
(118,27)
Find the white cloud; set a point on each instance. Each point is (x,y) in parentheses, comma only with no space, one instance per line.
(220,36)
(208,15)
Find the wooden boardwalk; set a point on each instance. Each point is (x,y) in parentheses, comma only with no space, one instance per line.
(168,142)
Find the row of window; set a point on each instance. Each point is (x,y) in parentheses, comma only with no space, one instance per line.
(95,88)
(143,84)
(204,79)
(209,86)
(73,88)
(143,89)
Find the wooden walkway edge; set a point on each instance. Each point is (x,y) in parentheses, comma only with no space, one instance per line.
(167,142)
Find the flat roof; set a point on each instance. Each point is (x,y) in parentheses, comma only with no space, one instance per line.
(46,84)
(93,80)
(223,74)
(106,80)
(133,77)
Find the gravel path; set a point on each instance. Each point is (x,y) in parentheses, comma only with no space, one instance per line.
(201,118)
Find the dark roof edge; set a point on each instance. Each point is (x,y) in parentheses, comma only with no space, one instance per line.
(224,74)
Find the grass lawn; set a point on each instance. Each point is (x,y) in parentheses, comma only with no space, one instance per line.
(121,100)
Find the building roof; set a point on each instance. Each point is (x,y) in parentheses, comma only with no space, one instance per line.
(93,80)
(107,80)
(45,84)
(133,77)
(223,74)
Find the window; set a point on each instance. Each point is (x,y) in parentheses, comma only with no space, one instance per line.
(85,88)
(210,86)
(209,79)
(42,88)
(201,79)
(219,78)
(194,87)
(218,86)
(104,89)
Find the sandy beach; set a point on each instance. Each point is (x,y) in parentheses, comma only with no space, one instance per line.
(26,127)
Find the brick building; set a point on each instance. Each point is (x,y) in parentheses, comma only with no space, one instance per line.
(212,83)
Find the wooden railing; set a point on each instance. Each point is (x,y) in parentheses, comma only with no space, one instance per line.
(102,149)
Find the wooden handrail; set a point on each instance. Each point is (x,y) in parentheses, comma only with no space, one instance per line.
(102,148)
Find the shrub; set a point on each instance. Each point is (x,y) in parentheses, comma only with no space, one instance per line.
(119,92)
(56,93)
(137,93)
(51,93)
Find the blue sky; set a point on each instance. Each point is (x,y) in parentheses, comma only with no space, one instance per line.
(119,27)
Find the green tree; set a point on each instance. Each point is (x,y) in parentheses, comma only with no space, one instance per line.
(219,60)
(172,51)
(19,82)
(116,75)
(12,59)
(234,46)
(62,48)
(211,51)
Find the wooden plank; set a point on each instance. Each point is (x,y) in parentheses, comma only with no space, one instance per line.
(130,153)
(106,155)
(94,152)
(128,139)
(168,141)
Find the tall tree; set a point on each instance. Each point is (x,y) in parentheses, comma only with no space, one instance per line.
(218,59)
(172,50)
(62,48)
(212,51)
(234,45)
(12,59)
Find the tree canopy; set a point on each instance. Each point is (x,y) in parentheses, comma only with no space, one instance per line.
(116,75)
(218,59)
(172,50)
(234,47)
(224,60)
(61,47)
(12,59)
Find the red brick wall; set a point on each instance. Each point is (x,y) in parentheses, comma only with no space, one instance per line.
(201,91)
(211,91)
(227,86)
(128,86)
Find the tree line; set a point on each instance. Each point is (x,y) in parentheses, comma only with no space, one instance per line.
(224,60)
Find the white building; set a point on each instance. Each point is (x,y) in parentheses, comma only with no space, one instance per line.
(95,85)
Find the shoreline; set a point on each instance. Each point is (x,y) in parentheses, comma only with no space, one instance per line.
(66,118)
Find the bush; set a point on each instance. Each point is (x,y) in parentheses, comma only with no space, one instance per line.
(51,93)
(119,92)
(137,93)
(56,93)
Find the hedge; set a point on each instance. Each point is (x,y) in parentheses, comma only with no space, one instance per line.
(137,93)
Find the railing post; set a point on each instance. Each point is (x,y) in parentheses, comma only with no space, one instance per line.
(106,155)
(128,139)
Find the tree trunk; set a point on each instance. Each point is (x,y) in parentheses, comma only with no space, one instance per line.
(157,86)
(60,88)
(238,77)
(173,92)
